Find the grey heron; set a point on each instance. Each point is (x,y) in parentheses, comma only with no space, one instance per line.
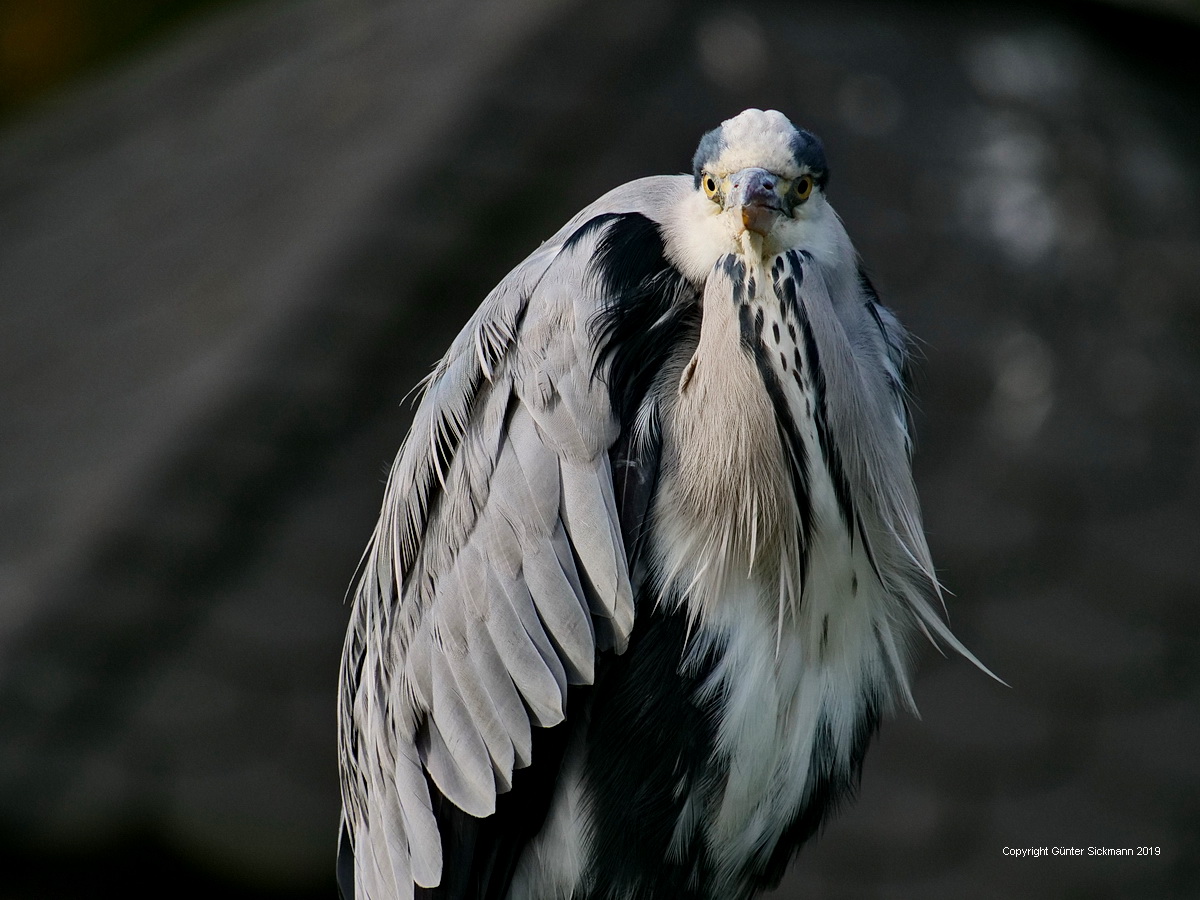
(649,559)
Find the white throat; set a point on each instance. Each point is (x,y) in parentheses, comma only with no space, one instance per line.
(699,233)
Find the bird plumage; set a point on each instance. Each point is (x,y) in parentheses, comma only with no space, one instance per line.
(648,559)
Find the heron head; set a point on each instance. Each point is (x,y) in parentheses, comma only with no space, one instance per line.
(760,168)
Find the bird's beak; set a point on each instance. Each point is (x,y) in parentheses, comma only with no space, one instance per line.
(761,197)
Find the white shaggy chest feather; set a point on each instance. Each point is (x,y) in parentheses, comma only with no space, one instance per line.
(795,639)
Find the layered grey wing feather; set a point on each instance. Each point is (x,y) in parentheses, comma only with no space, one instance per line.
(497,568)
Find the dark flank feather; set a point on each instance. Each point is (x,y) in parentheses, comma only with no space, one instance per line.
(652,312)
(651,308)
(648,750)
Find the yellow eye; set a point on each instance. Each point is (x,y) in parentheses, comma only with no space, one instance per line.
(710,186)
(803,188)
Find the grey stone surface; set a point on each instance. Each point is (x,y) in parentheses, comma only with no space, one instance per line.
(223,266)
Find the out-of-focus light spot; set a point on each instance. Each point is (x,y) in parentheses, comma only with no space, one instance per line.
(1013,145)
(1021,217)
(869,105)
(1039,67)
(1023,393)
(1008,199)
(732,48)
(1015,196)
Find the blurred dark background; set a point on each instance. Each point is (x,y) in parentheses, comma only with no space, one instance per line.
(233,235)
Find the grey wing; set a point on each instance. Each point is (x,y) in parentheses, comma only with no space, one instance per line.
(497,568)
